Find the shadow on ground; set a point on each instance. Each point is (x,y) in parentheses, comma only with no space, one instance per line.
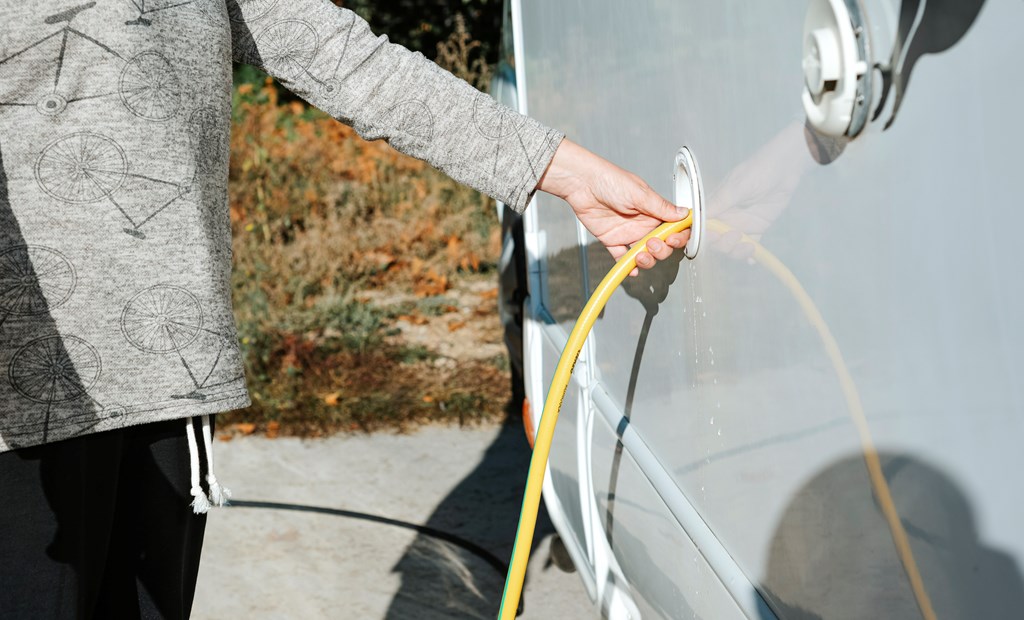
(436,580)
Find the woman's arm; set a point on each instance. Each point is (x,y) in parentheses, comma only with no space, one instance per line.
(328,56)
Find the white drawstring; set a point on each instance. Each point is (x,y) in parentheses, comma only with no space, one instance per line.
(219,495)
(200,503)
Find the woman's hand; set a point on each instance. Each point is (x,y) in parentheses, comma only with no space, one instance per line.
(616,206)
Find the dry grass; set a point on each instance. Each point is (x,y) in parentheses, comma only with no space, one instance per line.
(463,56)
(320,218)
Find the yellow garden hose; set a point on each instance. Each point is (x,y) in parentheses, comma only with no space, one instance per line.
(553,404)
(560,383)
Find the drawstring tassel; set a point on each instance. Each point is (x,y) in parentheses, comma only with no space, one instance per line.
(219,495)
(200,503)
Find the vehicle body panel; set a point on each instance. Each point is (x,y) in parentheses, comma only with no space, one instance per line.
(906,240)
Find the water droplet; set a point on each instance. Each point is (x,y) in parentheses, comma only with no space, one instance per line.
(699,300)
(712,421)
(719,432)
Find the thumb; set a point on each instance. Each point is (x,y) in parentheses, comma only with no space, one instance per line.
(656,206)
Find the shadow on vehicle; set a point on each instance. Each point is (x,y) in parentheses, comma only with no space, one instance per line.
(925,27)
(832,554)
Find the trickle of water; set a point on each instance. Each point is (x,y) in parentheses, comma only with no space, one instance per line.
(718,405)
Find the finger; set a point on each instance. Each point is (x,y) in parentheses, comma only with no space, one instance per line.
(678,240)
(656,206)
(645,260)
(658,248)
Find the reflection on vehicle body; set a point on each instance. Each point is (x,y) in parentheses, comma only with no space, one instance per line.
(756,192)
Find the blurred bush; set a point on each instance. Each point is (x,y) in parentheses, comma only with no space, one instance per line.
(321,217)
(468,47)
(462,55)
(421,24)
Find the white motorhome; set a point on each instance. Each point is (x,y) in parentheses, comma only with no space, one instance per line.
(837,433)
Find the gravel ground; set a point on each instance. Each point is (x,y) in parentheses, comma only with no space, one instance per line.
(276,563)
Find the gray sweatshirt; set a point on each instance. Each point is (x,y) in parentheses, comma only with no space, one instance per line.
(115,245)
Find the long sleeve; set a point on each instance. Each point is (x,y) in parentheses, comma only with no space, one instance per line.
(328,56)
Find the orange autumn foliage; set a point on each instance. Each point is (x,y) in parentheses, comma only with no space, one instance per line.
(321,221)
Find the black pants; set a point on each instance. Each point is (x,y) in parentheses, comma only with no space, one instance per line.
(99,527)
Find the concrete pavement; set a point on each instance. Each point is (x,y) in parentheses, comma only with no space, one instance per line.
(264,562)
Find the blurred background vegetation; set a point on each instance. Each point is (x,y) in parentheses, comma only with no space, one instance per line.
(422,24)
(364,285)
(450,32)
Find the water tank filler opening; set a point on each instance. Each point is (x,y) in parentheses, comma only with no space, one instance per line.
(689,193)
